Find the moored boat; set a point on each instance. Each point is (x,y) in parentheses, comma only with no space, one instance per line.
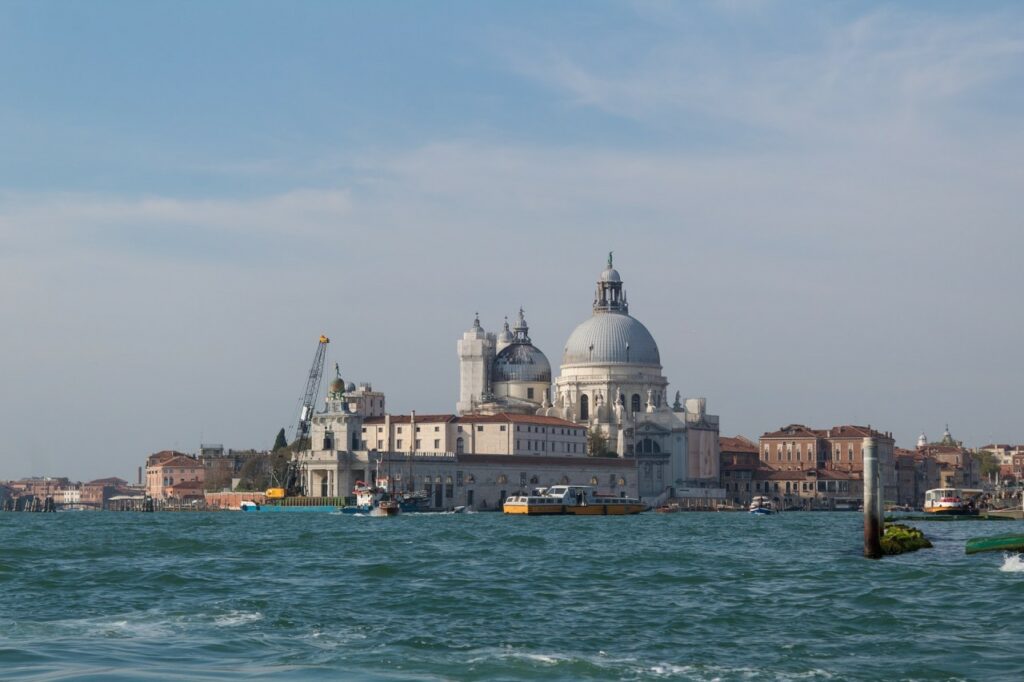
(947,501)
(762,506)
(1013,542)
(576,500)
(375,501)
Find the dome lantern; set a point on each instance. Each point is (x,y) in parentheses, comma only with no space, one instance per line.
(609,296)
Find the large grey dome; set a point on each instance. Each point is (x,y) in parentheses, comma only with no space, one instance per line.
(611,338)
(521,362)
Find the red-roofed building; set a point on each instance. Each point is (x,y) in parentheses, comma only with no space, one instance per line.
(739,466)
(799,448)
(168,468)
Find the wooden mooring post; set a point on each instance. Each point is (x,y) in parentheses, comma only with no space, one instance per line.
(872,501)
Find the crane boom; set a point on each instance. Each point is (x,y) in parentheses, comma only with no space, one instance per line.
(316,373)
(293,483)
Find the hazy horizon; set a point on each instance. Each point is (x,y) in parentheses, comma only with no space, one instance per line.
(815,209)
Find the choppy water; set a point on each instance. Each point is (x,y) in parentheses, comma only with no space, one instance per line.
(450,597)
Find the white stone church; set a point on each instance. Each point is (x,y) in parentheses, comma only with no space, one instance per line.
(516,428)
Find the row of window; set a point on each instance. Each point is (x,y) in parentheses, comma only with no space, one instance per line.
(501,427)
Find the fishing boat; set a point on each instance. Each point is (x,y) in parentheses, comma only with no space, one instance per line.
(761,506)
(577,500)
(948,501)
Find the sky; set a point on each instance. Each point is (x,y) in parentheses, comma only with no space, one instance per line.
(815,207)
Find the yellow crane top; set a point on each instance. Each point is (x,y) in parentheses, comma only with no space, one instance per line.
(324,339)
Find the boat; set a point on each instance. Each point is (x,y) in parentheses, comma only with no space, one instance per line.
(948,501)
(1013,542)
(761,506)
(577,500)
(374,500)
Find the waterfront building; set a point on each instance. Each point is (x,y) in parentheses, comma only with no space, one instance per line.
(838,450)
(952,465)
(516,426)
(96,494)
(70,496)
(740,463)
(1003,452)
(40,487)
(167,468)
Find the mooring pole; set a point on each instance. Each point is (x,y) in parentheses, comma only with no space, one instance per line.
(872,506)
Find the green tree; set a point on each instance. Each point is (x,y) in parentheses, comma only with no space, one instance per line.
(280,441)
(987,463)
(255,473)
(597,443)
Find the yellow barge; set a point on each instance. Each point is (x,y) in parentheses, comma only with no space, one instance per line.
(578,500)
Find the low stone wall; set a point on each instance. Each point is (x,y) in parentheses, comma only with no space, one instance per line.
(233,500)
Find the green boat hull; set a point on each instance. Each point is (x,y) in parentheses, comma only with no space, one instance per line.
(996,543)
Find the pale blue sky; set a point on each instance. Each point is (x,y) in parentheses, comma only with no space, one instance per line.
(816,208)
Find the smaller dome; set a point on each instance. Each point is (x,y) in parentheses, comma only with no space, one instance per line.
(506,334)
(521,362)
(350,386)
(610,275)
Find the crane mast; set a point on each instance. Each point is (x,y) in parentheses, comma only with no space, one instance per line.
(293,482)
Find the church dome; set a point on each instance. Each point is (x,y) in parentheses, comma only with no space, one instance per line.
(336,386)
(610,275)
(521,362)
(611,338)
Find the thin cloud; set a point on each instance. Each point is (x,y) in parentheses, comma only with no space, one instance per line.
(883,69)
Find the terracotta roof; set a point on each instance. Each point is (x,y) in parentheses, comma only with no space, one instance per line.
(113,480)
(182,485)
(793,431)
(179,461)
(853,431)
(736,444)
(163,456)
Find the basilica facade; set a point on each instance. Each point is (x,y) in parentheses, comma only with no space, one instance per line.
(517,426)
(611,381)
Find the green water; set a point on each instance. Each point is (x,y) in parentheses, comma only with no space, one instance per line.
(482,596)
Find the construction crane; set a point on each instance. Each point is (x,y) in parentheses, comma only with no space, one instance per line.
(316,373)
(293,482)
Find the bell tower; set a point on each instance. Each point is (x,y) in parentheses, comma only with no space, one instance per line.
(476,354)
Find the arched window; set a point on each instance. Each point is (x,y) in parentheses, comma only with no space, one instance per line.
(584,407)
(648,446)
(459,445)
(636,402)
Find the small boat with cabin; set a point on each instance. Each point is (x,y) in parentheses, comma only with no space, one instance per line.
(576,500)
(949,502)
(761,506)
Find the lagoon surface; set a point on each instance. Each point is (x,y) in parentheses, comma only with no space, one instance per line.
(697,596)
